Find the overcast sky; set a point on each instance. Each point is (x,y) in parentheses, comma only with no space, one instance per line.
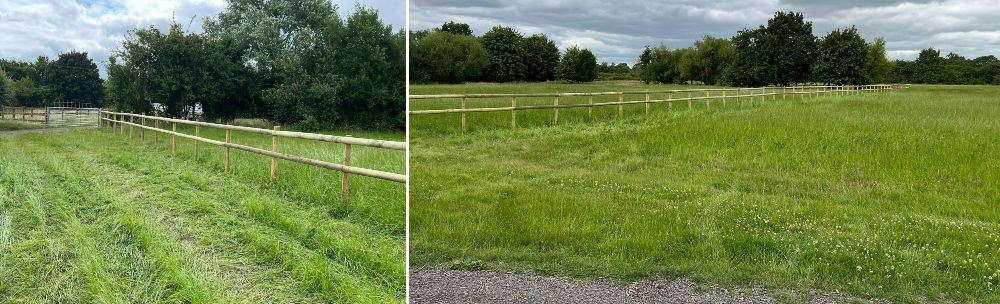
(29,28)
(617,30)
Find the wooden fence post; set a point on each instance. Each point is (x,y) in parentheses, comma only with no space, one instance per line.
(555,116)
(197,133)
(131,120)
(590,109)
(647,103)
(621,106)
(173,138)
(274,148)
(229,140)
(670,101)
(463,113)
(724,103)
(156,135)
(142,131)
(513,112)
(708,100)
(346,182)
(689,101)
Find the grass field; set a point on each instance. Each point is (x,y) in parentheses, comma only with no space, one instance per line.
(890,195)
(16,125)
(95,217)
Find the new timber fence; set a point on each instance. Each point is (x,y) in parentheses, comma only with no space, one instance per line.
(647,98)
(53,116)
(157,124)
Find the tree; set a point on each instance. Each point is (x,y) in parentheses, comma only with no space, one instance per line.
(541,58)
(6,89)
(456,28)
(578,65)
(877,66)
(750,67)
(504,50)
(74,78)
(841,57)
(659,65)
(370,61)
(789,48)
(447,58)
(711,58)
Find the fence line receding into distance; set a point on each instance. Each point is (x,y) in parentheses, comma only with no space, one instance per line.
(722,94)
(121,120)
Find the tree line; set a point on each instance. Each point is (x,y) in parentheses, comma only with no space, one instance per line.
(451,54)
(73,78)
(293,62)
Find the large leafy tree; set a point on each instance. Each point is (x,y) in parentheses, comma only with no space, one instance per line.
(789,47)
(712,57)
(370,59)
(181,72)
(541,58)
(446,58)
(74,78)
(841,57)
(578,65)
(456,28)
(750,64)
(659,64)
(877,66)
(504,50)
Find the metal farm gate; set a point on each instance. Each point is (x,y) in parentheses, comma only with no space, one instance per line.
(53,116)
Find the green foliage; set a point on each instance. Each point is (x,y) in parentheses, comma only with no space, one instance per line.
(444,57)
(611,71)
(182,72)
(877,66)
(790,47)
(505,52)
(659,65)
(711,59)
(370,60)
(578,65)
(6,89)
(841,57)
(750,67)
(541,58)
(456,28)
(74,78)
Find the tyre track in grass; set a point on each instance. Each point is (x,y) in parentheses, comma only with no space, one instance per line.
(325,257)
(338,249)
(52,257)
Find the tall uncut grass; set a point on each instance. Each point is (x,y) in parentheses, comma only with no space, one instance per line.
(93,216)
(890,195)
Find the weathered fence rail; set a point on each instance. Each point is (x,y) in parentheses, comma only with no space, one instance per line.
(122,120)
(709,95)
(53,116)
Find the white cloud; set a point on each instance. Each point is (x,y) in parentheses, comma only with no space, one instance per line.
(48,27)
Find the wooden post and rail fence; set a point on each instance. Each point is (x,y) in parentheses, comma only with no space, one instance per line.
(120,121)
(721,94)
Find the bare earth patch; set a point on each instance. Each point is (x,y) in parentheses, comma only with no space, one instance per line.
(442,285)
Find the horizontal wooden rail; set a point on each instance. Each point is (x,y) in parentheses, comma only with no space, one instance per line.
(375,143)
(129,119)
(741,93)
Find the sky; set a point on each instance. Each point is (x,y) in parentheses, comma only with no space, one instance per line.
(29,28)
(617,31)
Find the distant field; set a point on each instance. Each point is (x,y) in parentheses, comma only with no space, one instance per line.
(94,217)
(15,126)
(890,195)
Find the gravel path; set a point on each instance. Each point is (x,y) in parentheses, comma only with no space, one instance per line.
(442,285)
